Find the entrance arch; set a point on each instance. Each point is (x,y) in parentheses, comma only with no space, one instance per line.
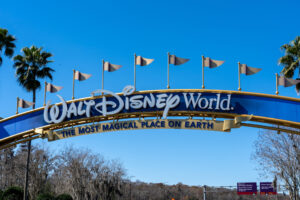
(222,108)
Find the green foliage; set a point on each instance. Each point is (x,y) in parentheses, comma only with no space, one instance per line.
(30,66)
(291,59)
(64,197)
(1,192)
(13,193)
(6,44)
(45,196)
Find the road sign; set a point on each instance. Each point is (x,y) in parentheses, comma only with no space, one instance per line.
(267,188)
(247,188)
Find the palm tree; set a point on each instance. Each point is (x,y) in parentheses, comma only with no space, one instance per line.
(291,59)
(6,44)
(31,66)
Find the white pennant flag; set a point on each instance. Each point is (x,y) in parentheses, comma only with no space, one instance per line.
(143,61)
(52,88)
(81,76)
(212,63)
(176,60)
(111,67)
(24,104)
(287,82)
(249,70)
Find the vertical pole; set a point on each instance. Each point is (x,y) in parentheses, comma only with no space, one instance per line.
(134,72)
(204,192)
(276,84)
(45,93)
(168,86)
(73,83)
(17,105)
(203,72)
(239,66)
(102,75)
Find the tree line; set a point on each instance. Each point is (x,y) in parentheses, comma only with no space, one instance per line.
(76,172)
(79,174)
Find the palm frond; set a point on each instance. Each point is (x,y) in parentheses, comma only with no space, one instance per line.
(45,72)
(10,45)
(285,46)
(21,71)
(286,60)
(3,31)
(9,52)
(288,71)
(6,43)
(46,55)
(18,58)
(293,51)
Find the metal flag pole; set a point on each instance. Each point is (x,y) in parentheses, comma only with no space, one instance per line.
(45,93)
(73,83)
(203,72)
(276,84)
(134,81)
(239,66)
(102,74)
(17,105)
(168,86)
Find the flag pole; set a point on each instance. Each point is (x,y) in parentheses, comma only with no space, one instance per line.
(134,72)
(168,86)
(102,74)
(239,65)
(73,83)
(45,93)
(276,84)
(17,105)
(203,72)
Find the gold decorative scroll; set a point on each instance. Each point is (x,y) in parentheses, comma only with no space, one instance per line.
(193,124)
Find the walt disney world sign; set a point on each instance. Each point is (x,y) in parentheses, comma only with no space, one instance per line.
(130,102)
(70,118)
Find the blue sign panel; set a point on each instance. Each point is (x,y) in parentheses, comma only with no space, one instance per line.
(267,188)
(164,101)
(246,188)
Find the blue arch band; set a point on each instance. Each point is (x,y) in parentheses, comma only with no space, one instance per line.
(261,105)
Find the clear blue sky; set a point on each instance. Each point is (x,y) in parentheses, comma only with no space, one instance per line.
(82,33)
